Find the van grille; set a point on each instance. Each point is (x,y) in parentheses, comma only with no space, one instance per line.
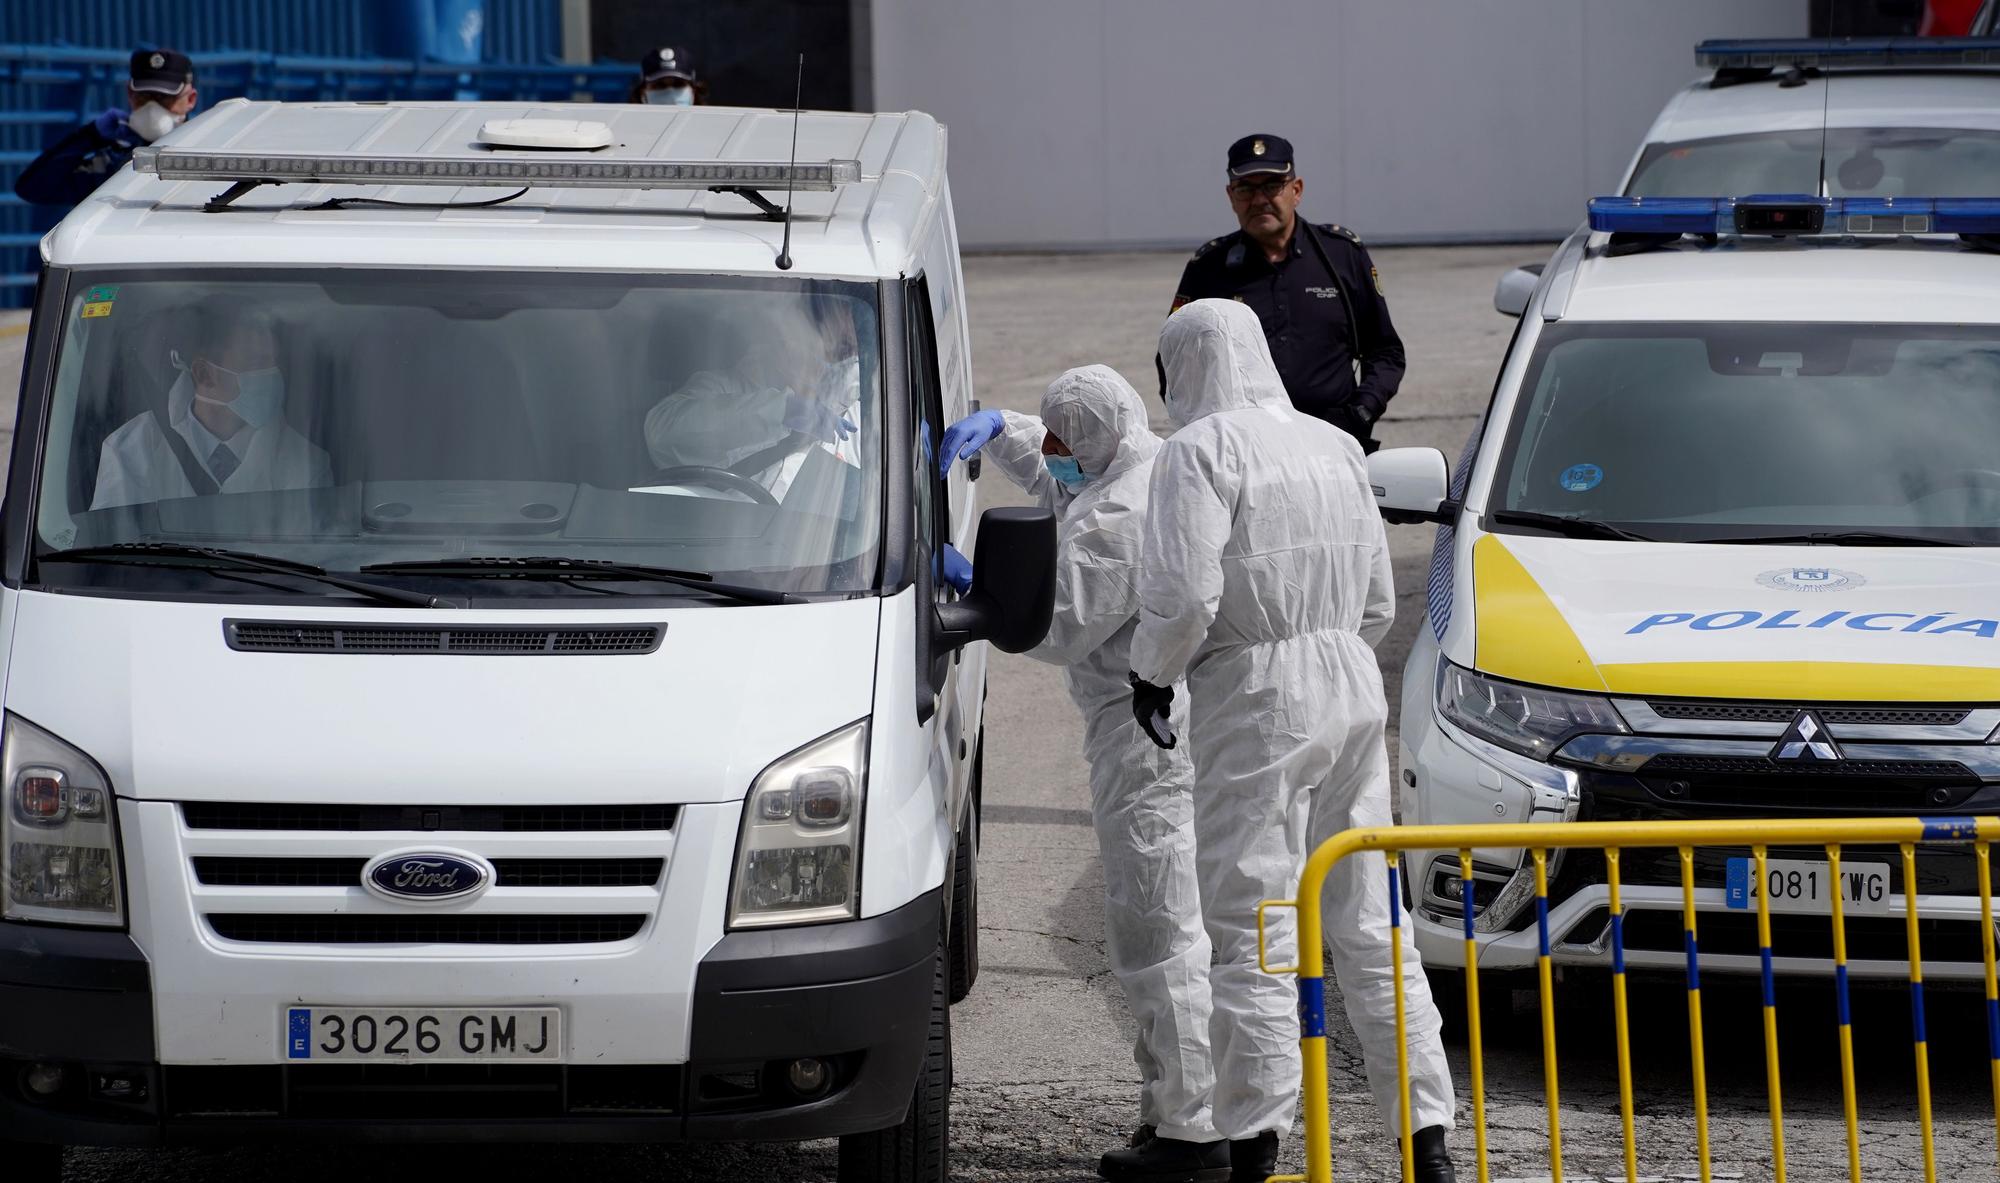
(340,929)
(508,872)
(277,636)
(418,1092)
(507,819)
(1757,712)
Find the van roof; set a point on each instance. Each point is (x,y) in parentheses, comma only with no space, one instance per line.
(866,229)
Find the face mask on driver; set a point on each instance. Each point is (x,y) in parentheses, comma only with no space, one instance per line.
(671,96)
(1066,470)
(151,121)
(260,395)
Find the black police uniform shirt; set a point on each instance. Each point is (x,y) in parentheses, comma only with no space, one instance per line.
(1305,318)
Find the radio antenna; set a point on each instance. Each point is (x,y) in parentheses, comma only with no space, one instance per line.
(798,100)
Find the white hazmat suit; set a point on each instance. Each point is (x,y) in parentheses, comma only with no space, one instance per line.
(1265,583)
(1140,795)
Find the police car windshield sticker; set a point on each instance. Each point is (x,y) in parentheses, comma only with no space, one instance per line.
(98,300)
(1580,478)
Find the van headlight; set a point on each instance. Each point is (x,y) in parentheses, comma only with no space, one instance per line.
(798,859)
(58,831)
(1531,720)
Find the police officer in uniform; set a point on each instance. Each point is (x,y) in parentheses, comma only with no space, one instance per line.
(159,95)
(1314,288)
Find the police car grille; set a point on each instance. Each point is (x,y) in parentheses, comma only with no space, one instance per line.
(277,636)
(1756,712)
(1764,766)
(512,819)
(281,929)
(508,872)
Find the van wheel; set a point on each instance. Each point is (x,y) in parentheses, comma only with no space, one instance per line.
(917,1151)
(964,948)
(31,1162)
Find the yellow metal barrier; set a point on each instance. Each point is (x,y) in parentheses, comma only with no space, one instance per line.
(1613,838)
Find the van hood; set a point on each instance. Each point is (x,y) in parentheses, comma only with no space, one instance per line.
(155,694)
(1774,622)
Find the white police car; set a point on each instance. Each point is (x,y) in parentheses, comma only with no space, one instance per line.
(1725,545)
(1877,117)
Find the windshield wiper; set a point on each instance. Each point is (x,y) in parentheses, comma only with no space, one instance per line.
(1567,526)
(1840,538)
(557,567)
(215,558)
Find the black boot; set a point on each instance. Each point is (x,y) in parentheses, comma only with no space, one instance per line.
(1253,1160)
(1167,1160)
(1143,1135)
(1433,1161)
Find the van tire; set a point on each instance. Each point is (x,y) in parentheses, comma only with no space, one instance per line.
(964,946)
(31,1162)
(918,1150)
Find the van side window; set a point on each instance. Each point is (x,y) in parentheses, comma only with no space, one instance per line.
(932,513)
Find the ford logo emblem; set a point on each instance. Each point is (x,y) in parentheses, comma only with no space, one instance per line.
(427,876)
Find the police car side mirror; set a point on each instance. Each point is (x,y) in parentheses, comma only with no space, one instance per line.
(1515,289)
(1411,485)
(1013,593)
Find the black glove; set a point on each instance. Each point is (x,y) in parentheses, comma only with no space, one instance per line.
(1152,706)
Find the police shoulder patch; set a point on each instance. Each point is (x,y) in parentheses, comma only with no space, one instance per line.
(1210,245)
(1342,231)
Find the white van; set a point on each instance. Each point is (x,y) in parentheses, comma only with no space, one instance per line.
(477,662)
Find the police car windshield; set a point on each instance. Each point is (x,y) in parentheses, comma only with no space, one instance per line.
(1860,162)
(728,426)
(1783,432)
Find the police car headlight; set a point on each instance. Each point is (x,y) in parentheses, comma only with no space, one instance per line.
(799,855)
(1530,720)
(58,832)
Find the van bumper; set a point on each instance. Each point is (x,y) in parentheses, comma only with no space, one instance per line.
(855,996)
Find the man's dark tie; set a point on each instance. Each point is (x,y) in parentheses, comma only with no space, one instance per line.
(221,463)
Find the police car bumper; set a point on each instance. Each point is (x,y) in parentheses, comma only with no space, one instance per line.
(1703,764)
(78,1063)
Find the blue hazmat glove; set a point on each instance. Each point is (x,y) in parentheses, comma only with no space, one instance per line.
(111,125)
(957,569)
(810,418)
(967,436)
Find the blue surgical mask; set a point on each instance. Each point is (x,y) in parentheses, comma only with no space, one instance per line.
(260,395)
(671,96)
(1066,470)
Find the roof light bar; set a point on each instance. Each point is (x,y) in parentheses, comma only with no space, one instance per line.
(187,164)
(1785,214)
(1783,53)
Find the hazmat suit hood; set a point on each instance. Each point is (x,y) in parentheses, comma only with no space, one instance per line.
(1095,412)
(1216,359)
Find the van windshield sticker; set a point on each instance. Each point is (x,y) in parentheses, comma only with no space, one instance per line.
(98,301)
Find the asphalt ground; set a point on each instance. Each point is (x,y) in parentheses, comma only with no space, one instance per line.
(1044,1074)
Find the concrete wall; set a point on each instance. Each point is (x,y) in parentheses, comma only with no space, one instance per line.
(1081,123)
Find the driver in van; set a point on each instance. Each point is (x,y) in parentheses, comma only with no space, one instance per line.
(223,428)
(798,387)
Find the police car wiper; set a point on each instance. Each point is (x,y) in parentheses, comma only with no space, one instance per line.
(556,567)
(1567,526)
(215,558)
(1839,538)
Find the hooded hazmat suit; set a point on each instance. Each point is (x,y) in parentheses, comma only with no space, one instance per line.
(1140,794)
(1265,583)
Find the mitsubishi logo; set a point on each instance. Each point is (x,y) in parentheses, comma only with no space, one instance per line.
(1806,739)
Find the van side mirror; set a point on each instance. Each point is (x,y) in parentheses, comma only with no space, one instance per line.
(1411,485)
(1515,289)
(1013,592)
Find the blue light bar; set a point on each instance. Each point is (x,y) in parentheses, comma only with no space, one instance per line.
(1765,214)
(1784,53)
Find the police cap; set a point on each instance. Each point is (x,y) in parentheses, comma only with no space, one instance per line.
(161,71)
(668,61)
(1260,154)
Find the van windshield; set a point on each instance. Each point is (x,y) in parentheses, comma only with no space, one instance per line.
(721,426)
(1779,432)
